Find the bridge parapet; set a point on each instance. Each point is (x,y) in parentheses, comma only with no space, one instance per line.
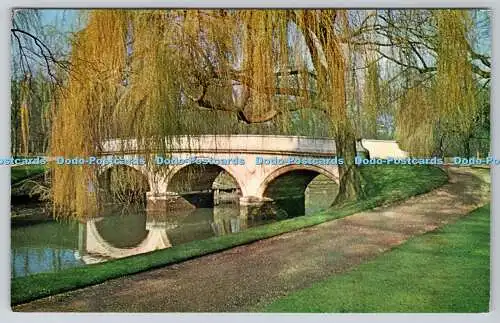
(276,145)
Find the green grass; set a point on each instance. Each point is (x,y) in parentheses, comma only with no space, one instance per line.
(384,184)
(443,271)
(20,173)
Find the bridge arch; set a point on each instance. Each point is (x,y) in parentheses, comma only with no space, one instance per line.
(178,175)
(286,187)
(193,185)
(307,170)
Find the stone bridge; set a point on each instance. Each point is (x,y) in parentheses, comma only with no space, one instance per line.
(264,168)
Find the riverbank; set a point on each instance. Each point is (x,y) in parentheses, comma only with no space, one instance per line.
(28,185)
(19,173)
(384,185)
(29,214)
(25,197)
(248,277)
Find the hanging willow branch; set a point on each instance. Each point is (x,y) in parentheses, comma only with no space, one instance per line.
(448,103)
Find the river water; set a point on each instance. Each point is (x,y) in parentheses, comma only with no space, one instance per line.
(117,232)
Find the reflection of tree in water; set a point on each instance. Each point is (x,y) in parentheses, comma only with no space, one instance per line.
(188,225)
(47,246)
(31,260)
(226,220)
(229,219)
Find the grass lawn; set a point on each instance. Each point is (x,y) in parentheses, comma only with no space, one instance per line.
(384,184)
(19,173)
(447,270)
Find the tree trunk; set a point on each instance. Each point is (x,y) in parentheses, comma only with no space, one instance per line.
(466,146)
(334,73)
(350,188)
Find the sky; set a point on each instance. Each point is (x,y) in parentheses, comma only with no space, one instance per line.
(68,21)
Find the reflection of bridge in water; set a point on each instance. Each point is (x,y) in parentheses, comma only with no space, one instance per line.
(158,231)
(96,244)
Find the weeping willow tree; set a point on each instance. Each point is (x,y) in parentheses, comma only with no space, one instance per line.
(151,75)
(372,100)
(445,102)
(431,71)
(140,74)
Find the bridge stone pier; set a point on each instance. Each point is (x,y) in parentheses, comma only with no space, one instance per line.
(264,168)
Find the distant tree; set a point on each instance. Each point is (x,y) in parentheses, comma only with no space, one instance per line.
(436,64)
(38,65)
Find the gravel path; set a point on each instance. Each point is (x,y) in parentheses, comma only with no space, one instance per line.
(243,278)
